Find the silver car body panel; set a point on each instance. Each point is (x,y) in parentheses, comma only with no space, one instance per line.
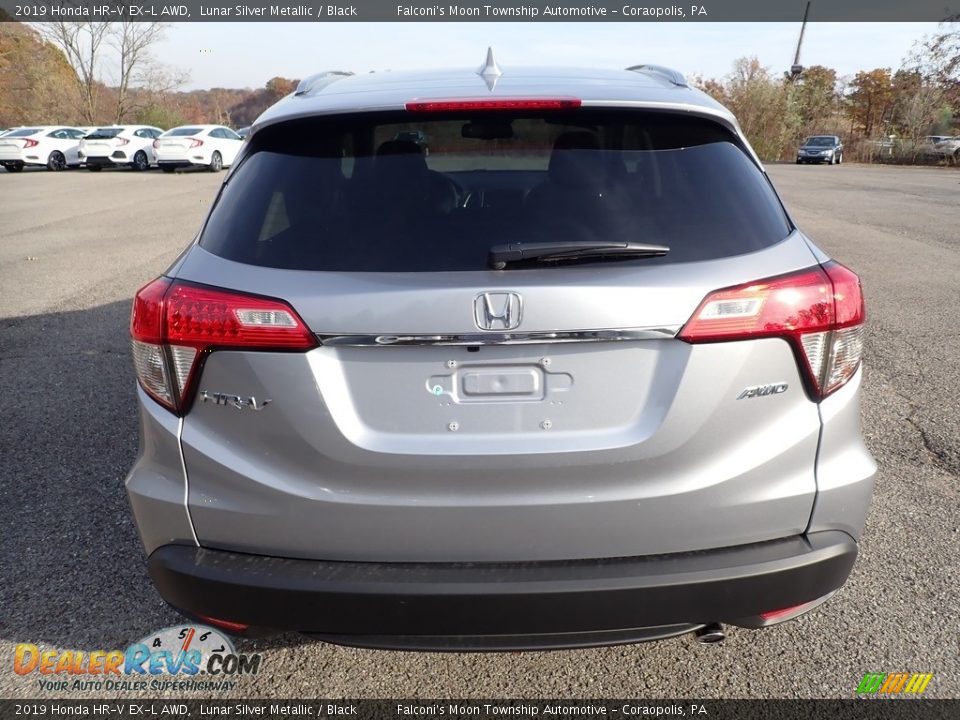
(611,449)
(439,448)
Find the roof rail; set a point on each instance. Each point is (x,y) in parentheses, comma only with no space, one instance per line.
(660,71)
(319,81)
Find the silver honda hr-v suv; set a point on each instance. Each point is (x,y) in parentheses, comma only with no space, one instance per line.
(571,377)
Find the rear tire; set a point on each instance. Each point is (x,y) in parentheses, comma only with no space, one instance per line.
(56,162)
(216,162)
(140,162)
(15,168)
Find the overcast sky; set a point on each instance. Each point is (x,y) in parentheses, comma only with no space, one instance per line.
(246,54)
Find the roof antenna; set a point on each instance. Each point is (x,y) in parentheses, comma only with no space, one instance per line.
(490,71)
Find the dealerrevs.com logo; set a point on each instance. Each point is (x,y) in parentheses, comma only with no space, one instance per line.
(181,658)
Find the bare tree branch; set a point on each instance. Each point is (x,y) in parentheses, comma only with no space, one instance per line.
(132,41)
(81,43)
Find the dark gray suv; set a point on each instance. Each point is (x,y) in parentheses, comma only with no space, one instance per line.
(573,379)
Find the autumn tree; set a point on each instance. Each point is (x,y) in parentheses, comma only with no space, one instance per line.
(249,109)
(815,96)
(928,92)
(760,102)
(871,99)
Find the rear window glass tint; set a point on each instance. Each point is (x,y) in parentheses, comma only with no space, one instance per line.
(23,133)
(185,131)
(407,193)
(104,133)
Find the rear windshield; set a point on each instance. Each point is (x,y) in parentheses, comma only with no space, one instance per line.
(421,192)
(104,133)
(24,132)
(184,131)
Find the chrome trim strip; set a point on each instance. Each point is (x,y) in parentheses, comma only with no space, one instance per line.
(503,338)
(186,482)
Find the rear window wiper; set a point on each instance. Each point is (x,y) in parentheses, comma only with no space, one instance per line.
(500,256)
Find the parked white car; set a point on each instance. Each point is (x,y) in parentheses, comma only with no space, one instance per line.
(213,146)
(127,145)
(55,146)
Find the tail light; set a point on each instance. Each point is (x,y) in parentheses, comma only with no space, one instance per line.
(122,141)
(196,143)
(175,325)
(156,144)
(820,311)
(470,105)
(30,143)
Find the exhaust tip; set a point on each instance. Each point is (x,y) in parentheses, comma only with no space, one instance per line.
(709,634)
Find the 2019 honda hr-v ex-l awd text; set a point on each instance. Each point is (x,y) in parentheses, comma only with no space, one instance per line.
(573,378)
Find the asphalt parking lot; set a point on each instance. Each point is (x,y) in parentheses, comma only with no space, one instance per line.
(75,246)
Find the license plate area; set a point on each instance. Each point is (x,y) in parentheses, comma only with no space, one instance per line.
(512,383)
(495,383)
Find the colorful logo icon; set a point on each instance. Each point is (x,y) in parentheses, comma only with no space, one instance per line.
(894,683)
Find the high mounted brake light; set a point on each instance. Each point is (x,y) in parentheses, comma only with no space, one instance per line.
(819,311)
(175,325)
(470,105)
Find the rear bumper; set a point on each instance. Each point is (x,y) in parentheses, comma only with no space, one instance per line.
(104,161)
(199,158)
(503,605)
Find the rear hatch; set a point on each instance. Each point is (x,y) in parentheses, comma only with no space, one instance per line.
(452,412)
(101,143)
(12,145)
(175,144)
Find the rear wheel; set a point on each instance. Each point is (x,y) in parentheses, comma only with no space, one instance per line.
(216,162)
(15,167)
(140,162)
(56,161)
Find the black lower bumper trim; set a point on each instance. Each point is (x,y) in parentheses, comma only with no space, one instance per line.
(507,643)
(443,599)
